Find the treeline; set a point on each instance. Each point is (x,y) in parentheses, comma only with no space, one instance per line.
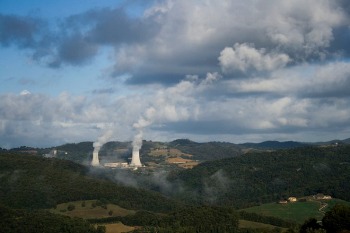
(190,219)
(264,177)
(336,220)
(20,221)
(34,182)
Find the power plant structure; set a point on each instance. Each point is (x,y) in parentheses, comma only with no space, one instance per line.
(135,159)
(95,160)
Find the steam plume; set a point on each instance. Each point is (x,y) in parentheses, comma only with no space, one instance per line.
(97,146)
(137,142)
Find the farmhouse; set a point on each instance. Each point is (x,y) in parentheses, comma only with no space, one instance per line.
(320,196)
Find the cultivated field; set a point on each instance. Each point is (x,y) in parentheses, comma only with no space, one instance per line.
(118,228)
(168,152)
(175,156)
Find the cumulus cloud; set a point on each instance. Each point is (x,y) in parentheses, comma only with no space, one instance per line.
(312,81)
(181,62)
(42,120)
(175,38)
(243,57)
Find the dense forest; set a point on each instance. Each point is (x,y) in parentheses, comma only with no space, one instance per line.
(29,181)
(263,177)
(40,221)
(189,219)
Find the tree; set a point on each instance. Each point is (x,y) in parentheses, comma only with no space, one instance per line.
(337,219)
(309,225)
(70,207)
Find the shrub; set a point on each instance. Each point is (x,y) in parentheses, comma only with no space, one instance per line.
(70,207)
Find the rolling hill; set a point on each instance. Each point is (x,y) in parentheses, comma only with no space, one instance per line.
(263,177)
(29,181)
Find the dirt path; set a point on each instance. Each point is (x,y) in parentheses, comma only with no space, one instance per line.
(323,206)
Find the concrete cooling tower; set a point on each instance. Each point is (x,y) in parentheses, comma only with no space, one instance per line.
(135,159)
(95,160)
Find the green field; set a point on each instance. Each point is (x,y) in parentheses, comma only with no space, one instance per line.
(297,211)
(89,209)
(257,225)
(334,202)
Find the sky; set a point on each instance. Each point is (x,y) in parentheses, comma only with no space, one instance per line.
(230,70)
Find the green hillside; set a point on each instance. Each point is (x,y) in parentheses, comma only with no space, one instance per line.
(29,181)
(19,221)
(296,211)
(208,150)
(264,177)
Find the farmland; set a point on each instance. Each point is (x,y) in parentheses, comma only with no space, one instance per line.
(90,209)
(296,211)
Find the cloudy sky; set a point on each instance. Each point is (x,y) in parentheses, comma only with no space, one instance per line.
(206,70)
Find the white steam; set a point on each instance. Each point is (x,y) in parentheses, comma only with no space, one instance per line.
(97,146)
(171,104)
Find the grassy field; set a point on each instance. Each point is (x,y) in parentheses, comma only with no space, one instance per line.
(175,156)
(88,209)
(257,225)
(333,202)
(297,211)
(168,152)
(118,228)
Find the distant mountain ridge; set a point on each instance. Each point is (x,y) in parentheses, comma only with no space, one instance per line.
(274,145)
(202,151)
(269,144)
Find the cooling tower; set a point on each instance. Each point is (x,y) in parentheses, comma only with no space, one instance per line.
(95,161)
(135,159)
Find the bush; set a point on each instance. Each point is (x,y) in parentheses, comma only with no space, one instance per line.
(70,207)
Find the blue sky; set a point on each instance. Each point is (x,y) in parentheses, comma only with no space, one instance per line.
(204,70)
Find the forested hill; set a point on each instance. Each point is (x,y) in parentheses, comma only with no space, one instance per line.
(207,150)
(28,181)
(273,145)
(264,177)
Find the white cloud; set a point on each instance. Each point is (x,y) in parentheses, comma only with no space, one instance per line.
(244,57)
(25,92)
(294,86)
(322,81)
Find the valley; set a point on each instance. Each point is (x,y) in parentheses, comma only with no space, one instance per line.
(233,186)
